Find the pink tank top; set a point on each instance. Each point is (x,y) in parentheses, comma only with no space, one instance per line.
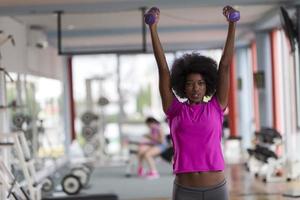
(196,132)
(155,132)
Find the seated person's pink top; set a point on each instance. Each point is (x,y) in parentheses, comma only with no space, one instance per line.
(155,132)
(196,132)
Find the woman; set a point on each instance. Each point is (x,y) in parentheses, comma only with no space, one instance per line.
(195,125)
(153,146)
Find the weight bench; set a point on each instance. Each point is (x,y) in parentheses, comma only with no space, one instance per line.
(166,155)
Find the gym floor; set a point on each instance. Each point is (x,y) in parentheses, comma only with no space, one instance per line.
(242,184)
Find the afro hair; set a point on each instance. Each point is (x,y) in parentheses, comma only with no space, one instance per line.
(191,64)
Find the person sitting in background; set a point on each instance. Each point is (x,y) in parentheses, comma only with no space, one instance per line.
(153,145)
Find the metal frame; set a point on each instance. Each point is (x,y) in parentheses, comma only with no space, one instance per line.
(118,51)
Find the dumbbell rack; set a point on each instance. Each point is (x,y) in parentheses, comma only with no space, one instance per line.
(4,122)
(18,141)
(10,185)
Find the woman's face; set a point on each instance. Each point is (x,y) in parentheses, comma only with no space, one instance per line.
(150,125)
(195,88)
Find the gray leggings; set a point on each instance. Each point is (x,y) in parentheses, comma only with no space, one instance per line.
(216,192)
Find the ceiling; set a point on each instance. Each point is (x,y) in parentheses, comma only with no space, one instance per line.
(95,26)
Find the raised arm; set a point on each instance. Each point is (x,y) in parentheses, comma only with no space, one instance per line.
(223,83)
(163,70)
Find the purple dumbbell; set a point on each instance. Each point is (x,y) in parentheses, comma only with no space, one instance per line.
(233,16)
(150,16)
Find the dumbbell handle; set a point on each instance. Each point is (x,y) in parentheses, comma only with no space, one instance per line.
(150,16)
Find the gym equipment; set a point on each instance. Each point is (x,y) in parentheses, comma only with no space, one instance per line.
(25,123)
(7,74)
(90,127)
(77,179)
(74,178)
(232,16)
(18,120)
(88,132)
(88,117)
(292,193)
(4,122)
(89,148)
(103,101)
(150,16)
(85,197)
(71,184)
(73,181)
(48,185)
(94,124)
(8,38)
(166,155)
(263,161)
(83,173)
(13,188)
(18,141)
(293,170)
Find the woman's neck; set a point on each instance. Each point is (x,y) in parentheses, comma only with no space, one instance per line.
(194,103)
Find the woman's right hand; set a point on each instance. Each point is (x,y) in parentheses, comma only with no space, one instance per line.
(231,14)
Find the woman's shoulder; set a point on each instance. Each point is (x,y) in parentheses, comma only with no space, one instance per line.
(175,107)
(214,102)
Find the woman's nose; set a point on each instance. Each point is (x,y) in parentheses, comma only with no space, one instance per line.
(196,87)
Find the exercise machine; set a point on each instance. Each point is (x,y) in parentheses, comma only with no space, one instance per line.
(263,160)
(13,189)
